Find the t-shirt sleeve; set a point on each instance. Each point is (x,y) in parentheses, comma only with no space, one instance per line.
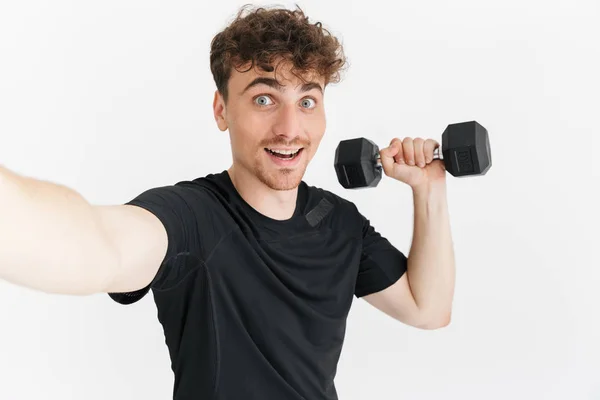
(169,205)
(381,264)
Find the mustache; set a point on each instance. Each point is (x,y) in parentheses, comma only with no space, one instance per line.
(293,144)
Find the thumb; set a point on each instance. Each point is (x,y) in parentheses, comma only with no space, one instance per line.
(387,159)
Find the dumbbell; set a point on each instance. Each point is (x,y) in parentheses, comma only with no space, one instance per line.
(465,152)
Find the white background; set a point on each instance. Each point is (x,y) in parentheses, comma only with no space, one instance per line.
(112,98)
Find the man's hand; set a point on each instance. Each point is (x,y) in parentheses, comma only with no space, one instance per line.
(411,161)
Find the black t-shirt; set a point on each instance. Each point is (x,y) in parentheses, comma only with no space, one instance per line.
(256,308)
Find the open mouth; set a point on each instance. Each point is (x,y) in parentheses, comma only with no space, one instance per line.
(286,155)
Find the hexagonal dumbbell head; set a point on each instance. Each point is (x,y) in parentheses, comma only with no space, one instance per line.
(466,149)
(356,163)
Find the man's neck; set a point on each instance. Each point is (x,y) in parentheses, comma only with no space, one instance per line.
(275,204)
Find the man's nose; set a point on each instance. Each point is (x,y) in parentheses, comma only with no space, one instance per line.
(287,122)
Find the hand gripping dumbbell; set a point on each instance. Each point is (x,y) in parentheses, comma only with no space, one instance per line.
(465,152)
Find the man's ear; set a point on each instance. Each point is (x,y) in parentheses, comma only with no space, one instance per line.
(220,111)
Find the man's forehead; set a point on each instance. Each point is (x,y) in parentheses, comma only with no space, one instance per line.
(282,77)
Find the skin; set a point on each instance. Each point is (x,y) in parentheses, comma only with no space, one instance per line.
(411,161)
(267,117)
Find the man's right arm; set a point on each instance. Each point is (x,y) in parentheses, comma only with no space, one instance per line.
(53,240)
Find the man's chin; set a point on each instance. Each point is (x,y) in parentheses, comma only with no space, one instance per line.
(283,178)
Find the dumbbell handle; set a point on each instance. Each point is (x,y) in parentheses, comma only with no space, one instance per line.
(436,156)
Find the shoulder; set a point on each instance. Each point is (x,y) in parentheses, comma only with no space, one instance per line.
(331,197)
(180,191)
(203,210)
(181,199)
(344,213)
(203,192)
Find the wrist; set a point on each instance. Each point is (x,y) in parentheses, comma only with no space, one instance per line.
(429,188)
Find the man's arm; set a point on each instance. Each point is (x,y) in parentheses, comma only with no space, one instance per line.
(423,296)
(431,265)
(53,240)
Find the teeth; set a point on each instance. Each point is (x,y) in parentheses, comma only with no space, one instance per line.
(284,152)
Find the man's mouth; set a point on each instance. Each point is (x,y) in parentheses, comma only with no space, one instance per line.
(284,154)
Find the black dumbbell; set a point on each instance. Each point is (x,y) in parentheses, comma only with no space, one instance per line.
(465,149)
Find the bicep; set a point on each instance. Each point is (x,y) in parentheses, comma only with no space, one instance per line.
(147,231)
(381,263)
(382,279)
(140,242)
(398,302)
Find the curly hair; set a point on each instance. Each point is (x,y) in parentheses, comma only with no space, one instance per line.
(265,36)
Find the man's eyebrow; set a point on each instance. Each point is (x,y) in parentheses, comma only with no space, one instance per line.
(271,82)
(311,85)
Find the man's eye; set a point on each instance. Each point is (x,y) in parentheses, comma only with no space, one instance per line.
(262,100)
(306,103)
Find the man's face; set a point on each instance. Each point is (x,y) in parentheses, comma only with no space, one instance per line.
(262,115)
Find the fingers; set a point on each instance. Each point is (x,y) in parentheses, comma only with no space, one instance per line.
(411,151)
(418,149)
(428,148)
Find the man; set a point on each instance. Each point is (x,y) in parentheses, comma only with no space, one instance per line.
(252,270)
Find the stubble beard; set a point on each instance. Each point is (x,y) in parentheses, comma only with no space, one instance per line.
(278,178)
